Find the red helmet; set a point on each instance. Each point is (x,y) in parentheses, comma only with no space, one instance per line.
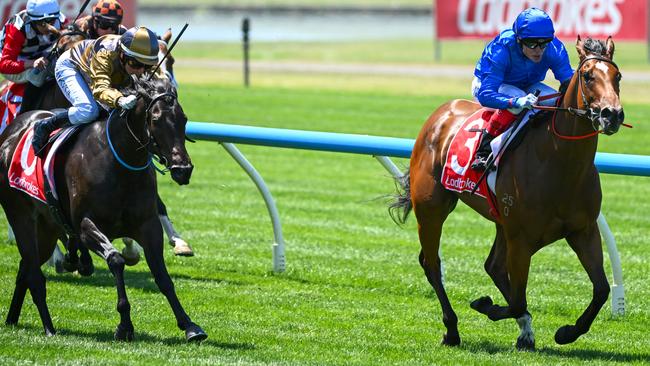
(108,10)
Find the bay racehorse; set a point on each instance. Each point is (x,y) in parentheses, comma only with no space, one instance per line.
(107,189)
(546,190)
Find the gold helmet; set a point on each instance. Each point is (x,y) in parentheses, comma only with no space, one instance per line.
(141,44)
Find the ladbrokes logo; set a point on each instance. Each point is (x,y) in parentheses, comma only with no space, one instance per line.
(488,17)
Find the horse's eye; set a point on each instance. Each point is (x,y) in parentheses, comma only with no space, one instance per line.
(618,77)
(587,76)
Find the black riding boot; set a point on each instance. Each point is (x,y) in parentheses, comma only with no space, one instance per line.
(483,153)
(43,129)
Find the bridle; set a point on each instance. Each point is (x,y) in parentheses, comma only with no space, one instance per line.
(586,112)
(150,143)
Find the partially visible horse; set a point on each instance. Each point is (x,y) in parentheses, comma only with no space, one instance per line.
(102,198)
(547,189)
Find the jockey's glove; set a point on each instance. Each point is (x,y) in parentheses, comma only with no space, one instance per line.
(526,101)
(127,102)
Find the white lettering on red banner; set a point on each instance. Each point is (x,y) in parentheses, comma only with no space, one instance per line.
(623,19)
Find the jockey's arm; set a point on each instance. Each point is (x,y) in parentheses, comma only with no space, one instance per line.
(101,79)
(488,94)
(561,66)
(9,63)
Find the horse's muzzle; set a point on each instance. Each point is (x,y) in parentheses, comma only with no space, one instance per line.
(181,173)
(611,119)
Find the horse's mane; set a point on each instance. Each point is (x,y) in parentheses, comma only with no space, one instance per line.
(148,88)
(594,46)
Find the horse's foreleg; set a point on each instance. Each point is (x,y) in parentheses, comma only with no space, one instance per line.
(19,295)
(151,241)
(96,241)
(496,267)
(588,247)
(181,247)
(495,264)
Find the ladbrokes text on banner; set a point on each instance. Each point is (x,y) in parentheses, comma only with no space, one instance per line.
(70,8)
(622,19)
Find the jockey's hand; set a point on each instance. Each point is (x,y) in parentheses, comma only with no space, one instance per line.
(526,102)
(41,63)
(127,102)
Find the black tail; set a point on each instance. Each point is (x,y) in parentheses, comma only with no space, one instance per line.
(399,210)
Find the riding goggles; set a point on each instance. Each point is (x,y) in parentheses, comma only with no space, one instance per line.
(135,64)
(533,43)
(50,21)
(106,25)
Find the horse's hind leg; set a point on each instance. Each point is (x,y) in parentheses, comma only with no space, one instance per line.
(432,205)
(96,241)
(19,295)
(151,240)
(588,247)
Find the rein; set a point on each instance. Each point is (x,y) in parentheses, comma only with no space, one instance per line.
(117,157)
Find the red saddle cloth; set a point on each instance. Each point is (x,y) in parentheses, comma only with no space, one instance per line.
(457,174)
(11,98)
(26,172)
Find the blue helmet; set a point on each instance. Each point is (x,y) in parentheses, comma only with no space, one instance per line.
(533,23)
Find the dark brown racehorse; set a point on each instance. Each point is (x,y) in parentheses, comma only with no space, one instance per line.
(101,198)
(547,189)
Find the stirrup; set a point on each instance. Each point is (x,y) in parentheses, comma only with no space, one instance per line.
(480,163)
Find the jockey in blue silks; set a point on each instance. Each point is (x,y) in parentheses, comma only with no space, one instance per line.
(512,67)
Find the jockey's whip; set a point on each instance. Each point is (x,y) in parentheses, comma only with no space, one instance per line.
(492,159)
(81,11)
(169,50)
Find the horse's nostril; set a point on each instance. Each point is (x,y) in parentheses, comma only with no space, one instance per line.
(606,113)
(621,116)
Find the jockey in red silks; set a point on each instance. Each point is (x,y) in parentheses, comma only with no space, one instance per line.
(512,67)
(26,40)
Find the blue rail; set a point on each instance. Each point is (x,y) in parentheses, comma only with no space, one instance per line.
(368,145)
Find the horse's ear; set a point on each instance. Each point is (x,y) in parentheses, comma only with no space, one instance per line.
(609,48)
(167,35)
(580,48)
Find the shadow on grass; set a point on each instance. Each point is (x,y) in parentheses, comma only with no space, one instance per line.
(142,280)
(591,355)
(580,354)
(140,337)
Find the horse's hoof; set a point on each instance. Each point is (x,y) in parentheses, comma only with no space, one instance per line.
(123,333)
(11,322)
(68,264)
(566,334)
(450,340)
(181,248)
(50,332)
(130,258)
(525,344)
(194,333)
(86,269)
(482,304)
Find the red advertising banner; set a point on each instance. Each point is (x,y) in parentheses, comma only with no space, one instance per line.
(622,19)
(70,8)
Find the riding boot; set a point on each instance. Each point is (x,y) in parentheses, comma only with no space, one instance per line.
(483,153)
(43,129)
